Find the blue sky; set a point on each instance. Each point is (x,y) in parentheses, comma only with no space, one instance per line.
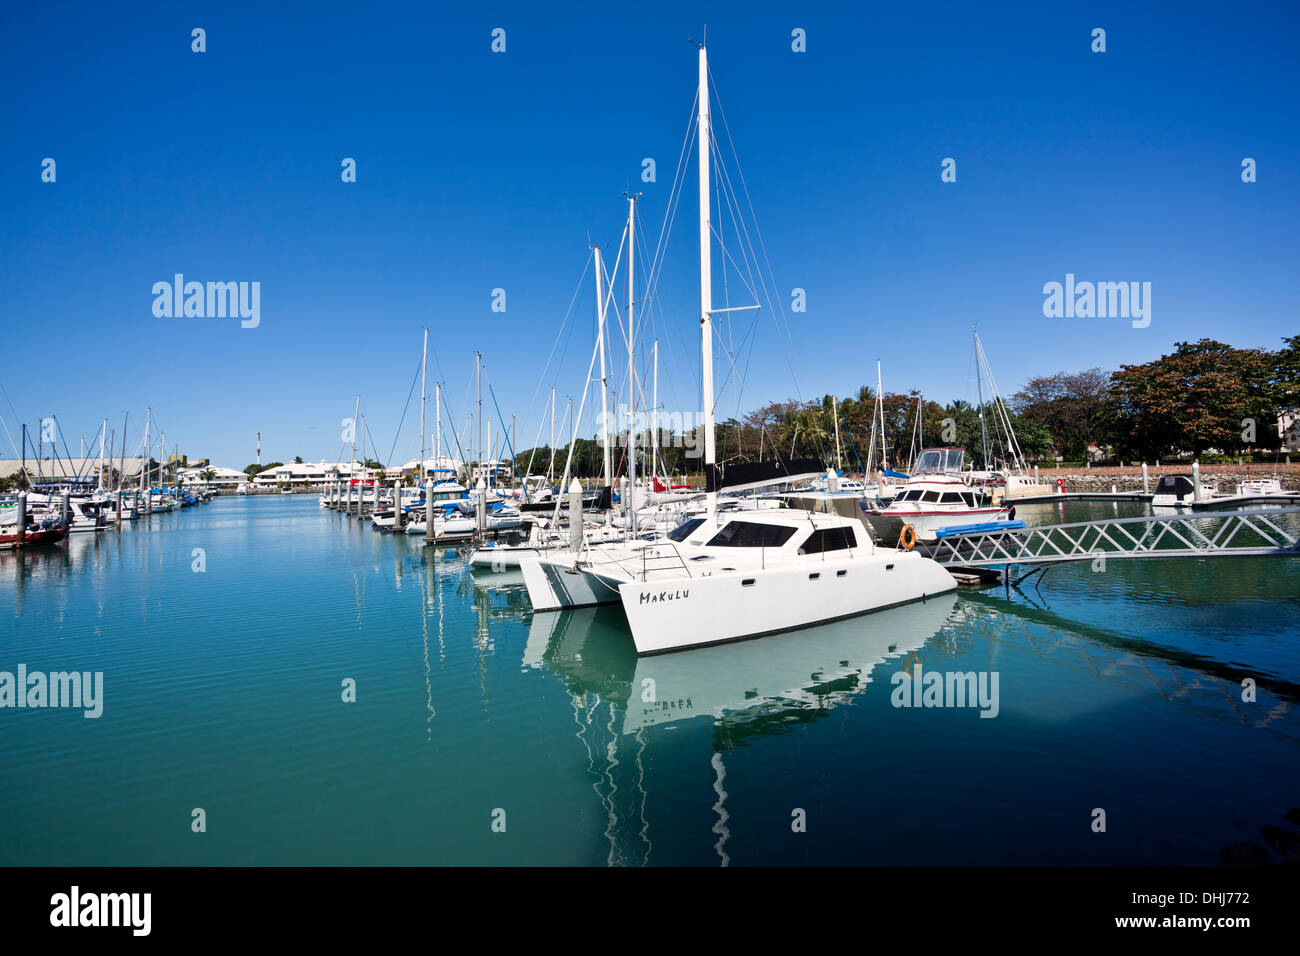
(479,170)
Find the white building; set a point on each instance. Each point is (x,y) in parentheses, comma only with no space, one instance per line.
(223,478)
(444,467)
(1288,428)
(313,474)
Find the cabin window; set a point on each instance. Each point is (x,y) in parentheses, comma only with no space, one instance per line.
(930,496)
(969,499)
(950,498)
(751,534)
(683,530)
(829,539)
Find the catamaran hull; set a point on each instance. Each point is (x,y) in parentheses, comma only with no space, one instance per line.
(696,612)
(554,586)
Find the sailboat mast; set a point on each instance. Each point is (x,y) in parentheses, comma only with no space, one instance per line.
(631,367)
(880,406)
(437,424)
(356,418)
(604,382)
(478,420)
(424,397)
(835,412)
(144,466)
(654,417)
(979,385)
(121,462)
(704,134)
(550,471)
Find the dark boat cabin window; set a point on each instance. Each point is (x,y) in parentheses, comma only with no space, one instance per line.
(969,500)
(930,496)
(829,539)
(951,498)
(683,530)
(751,534)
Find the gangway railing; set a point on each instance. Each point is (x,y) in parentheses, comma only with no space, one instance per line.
(1204,535)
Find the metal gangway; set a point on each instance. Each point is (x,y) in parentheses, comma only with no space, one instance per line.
(1255,533)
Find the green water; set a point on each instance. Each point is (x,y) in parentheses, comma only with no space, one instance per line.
(223,690)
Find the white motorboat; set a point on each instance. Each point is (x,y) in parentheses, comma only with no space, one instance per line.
(1260,486)
(1179,491)
(936,496)
(85,513)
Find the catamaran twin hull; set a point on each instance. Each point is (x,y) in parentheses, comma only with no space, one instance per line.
(670,614)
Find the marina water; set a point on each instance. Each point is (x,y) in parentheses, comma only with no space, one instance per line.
(482,734)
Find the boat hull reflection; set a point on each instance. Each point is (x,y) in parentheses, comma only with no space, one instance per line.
(817,667)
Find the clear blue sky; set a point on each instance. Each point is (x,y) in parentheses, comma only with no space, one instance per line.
(479,170)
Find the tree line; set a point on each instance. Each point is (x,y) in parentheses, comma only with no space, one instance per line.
(1204,396)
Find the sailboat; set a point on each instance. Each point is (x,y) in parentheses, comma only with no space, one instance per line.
(1009,477)
(727,576)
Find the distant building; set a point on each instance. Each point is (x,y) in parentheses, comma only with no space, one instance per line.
(313,474)
(223,478)
(1288,428)
(440,468)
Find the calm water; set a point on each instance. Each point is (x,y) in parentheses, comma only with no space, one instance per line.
(1118,690)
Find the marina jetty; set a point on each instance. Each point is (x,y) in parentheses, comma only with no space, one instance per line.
(1129,477)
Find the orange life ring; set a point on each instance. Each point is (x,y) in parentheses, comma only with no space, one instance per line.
(907,537)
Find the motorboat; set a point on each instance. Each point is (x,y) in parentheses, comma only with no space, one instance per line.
(1179,491)
(936,496)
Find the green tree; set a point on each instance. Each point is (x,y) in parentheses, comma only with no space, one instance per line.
(1076,410)
(1198,397)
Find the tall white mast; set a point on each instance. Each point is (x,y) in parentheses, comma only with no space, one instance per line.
(550,471)
(604,384)
(631,367)
(437,424)
(835,411)
(704,134)
(356,418)
(880,405)
(478,388)
(424,397)
(979,384)
(654,419)
(103,429)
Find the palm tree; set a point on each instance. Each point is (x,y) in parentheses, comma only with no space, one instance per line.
(207,474)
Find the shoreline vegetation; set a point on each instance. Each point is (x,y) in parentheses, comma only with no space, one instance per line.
(1206,401)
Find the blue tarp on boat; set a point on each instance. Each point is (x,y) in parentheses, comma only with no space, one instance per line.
(957,530)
